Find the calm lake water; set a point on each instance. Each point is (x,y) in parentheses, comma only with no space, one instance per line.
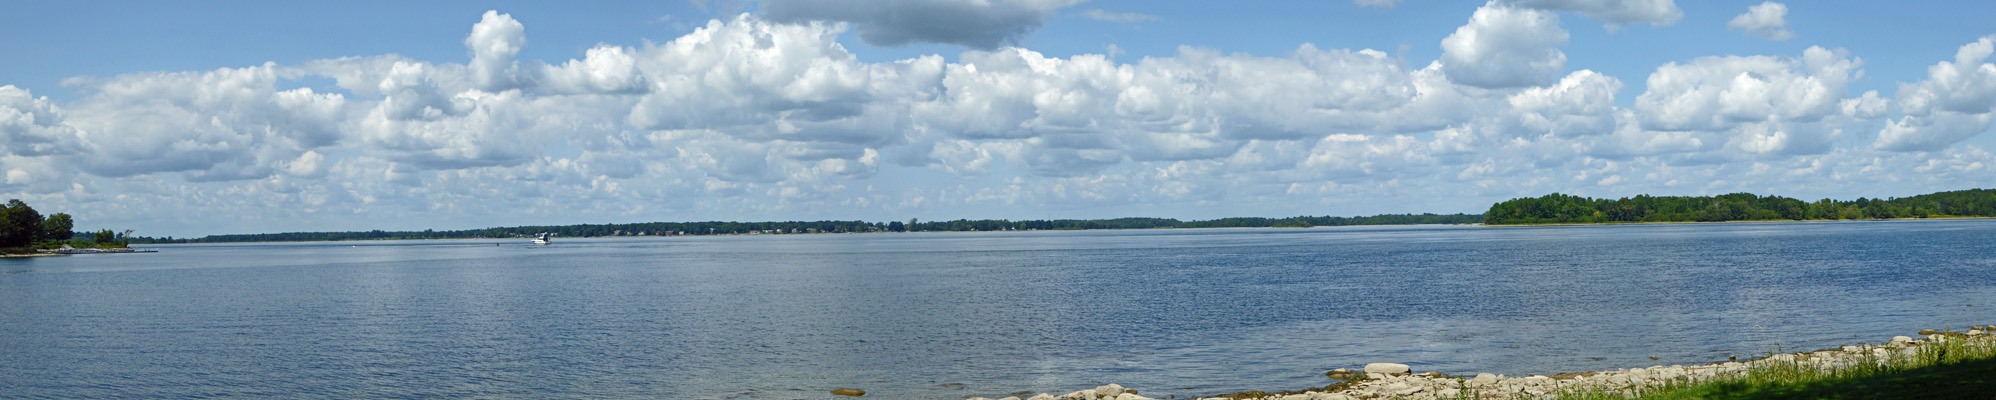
(954,315)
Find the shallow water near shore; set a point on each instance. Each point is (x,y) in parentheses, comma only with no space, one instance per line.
(952,315)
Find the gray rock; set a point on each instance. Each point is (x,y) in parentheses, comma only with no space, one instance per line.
(1109,390)
(1483,379)
(1043,396)
(1387,368)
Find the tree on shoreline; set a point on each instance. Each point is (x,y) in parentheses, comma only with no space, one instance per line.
(20,225)
(1567,209)
(58,227)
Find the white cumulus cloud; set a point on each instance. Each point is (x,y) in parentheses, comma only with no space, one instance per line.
(1768,20)
(1505,47)
(1765,104)
(1582,103)
(1956,102)
(494,40)
(225,124)
(33,126)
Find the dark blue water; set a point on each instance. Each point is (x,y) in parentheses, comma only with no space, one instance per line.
(1172,312)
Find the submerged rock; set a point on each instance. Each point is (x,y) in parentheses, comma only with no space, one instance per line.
(848,392)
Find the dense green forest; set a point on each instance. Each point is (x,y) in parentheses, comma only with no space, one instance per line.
(790,227)
(1559,208)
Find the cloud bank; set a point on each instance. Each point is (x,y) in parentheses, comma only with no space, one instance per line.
(769,117)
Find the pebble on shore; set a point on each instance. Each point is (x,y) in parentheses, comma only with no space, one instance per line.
(1392,381)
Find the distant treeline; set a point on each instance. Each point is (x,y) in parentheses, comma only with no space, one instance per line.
(790,227)
(1154,223)
(1560,208)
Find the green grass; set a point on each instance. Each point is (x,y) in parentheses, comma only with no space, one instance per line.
(1969,380)
(1954,369)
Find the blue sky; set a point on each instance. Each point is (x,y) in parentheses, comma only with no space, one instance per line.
(233,117)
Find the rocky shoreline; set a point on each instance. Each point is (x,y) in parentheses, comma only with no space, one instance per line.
(1396,381)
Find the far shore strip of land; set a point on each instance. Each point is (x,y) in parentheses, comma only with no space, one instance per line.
(27,255)
(1743,221)
(753,233)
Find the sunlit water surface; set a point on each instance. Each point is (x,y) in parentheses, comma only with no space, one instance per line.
(954,315)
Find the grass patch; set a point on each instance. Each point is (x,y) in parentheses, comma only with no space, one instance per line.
(1961,367)
(1968,380)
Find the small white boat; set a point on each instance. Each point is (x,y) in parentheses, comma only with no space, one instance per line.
(543,239)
